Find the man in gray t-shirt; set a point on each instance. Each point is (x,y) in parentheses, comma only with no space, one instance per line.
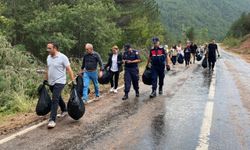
(57,66)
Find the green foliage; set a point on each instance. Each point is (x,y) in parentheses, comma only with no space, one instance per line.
(240,27)
(190,34)
(231,41)
(140,22)
(72,28)
(214,15)
(5,23)
(18,79)
(74,23)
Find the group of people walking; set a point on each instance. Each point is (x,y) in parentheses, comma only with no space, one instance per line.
(158,60)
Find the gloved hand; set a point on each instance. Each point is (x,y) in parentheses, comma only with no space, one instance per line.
(45,82)
(167,67)
(218,55)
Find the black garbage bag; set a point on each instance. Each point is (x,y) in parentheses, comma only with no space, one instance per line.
(180,59)
(105,79)
(76,107)
(147,76)
(44,102)
(204,62)
(79,86)
(198,56)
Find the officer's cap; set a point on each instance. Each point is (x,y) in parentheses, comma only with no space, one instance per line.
(155,39)
(127,46)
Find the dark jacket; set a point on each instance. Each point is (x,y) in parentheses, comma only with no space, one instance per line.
(158,56)
(90,61)
(193,48)
(119,62)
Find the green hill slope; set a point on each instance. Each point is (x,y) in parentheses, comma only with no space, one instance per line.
(215,15)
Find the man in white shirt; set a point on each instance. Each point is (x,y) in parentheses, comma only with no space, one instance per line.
(57,65)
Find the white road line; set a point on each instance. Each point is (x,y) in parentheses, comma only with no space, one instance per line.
(208,116)
(22,132)
(15,135)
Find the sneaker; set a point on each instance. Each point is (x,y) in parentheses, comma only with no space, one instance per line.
(85,101)
(111,90)
(97,98)
(51,124)
(153,94)
(63,114)
(115,91)
(125,97)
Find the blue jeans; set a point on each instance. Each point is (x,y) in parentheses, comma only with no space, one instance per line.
(87,76)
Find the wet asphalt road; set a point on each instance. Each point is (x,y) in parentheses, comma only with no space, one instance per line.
(172,121)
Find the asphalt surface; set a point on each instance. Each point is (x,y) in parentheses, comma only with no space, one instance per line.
(172,121)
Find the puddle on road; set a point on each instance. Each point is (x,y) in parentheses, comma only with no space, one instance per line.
(158,129)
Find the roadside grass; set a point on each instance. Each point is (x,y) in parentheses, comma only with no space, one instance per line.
(239,46)
(18,80)
(232,42)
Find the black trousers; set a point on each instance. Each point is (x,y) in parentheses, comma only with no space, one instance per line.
(131,75)
(114,79)
(56,99)
(211,64)
(187,58)
(158,71)
(174,59)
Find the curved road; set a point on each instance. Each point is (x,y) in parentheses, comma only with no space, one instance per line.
(199,110)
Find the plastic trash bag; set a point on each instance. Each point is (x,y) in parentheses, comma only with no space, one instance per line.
(79,86)
(180,59)
(204,63)
(76,107)
(198,56)
(147,76)
(105,79)
(44,102)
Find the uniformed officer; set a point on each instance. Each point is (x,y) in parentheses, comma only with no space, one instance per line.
(159,59)
(131,58)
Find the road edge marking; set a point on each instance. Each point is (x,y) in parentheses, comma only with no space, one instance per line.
(13,136)
(208,116)
(22,132)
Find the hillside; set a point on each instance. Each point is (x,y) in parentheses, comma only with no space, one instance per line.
(216,16)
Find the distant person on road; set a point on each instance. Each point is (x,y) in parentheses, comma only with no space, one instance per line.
(115,67)
(179,49)
(131,58)
(211,54)
(187,54)
(173,54)
(57,66)
(158,58)
(89,70)
(193,48)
